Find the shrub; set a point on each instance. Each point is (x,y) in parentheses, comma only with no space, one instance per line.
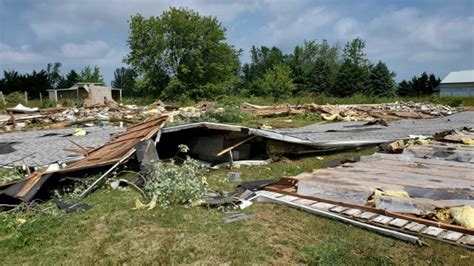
(15,98)
(173,184)
(229,115)
(47,104)
(9,175)
(68,103)
(455,101)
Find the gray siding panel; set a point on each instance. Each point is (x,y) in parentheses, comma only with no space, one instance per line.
(458,90)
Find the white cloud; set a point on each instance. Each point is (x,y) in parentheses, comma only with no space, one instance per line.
(86,50)
(293,28)
(347,28)
(23,55)
(408,34)
(94,32)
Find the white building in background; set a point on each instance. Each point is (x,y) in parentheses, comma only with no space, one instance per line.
(87,93)
(458,83)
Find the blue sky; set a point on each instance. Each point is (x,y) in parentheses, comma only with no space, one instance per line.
(410,36)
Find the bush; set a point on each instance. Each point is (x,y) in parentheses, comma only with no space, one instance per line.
(9,175)
(174,184)
(15,98)
(229,115)
(47,104)
(68,103)
(455,101)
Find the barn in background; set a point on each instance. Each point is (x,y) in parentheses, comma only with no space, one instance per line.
(458,83)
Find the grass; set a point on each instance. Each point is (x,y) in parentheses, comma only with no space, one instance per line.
(112,233)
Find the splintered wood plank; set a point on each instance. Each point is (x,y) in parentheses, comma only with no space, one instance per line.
(366,215)
(433,231)
(288,198)
(395,178)
(415,227)
(353,212)
(431,171)
(399,157)
(397,222)
(306,202)
(431,149)
(452,236)
(322,206)
(382,219)
(411,164)
(338,209)
(467,240)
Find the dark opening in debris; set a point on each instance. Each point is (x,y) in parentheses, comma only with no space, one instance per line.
(7,147)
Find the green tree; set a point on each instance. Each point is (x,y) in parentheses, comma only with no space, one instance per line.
(322,76)
(54,74)
(405,88)
(34,83)
(304,61)
(124,78)
(382,81)
(71,78)
(433,83)
(263,58)
(277,82)
(353,75)
(417,86)
(91,76)
(354,52)
(182,53)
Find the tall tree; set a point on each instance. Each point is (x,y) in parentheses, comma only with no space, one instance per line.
(34,83)
(322,76)
(433,82)
(421,84)
(405,88)
(382,81)
(263,59)
(54,74)
(71,78)
(89,75)
(354,52)
(307,58)
(277,82)
(186,49)
(124,78)
(353,75)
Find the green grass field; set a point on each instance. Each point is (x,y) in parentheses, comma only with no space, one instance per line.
(113,233)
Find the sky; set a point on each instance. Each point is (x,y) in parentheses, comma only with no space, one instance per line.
(436,36)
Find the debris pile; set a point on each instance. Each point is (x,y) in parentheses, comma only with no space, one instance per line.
(355,112)
(112,154)
(21,116)
(425,189)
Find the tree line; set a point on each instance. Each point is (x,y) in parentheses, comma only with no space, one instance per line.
(184,55)
(38,82)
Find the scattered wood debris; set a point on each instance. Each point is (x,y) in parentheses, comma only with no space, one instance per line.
(354,112)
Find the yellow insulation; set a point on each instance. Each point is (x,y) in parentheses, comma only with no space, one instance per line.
(464,216)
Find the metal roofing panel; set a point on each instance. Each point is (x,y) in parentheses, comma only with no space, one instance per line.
(463,76)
